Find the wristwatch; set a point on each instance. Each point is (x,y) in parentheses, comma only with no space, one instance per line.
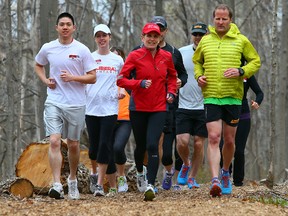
(241,71)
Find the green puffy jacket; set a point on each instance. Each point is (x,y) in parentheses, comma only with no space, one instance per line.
(214,55)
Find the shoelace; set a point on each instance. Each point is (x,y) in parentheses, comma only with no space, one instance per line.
(168,177)
(184,172)
(225,181)
(73,187)
(191,181)
(57,187)
(99,188)
(121,181)
(112,190)
(176,187)
(141,179)
(93,179)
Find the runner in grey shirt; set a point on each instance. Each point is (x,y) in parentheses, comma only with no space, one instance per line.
(190,116)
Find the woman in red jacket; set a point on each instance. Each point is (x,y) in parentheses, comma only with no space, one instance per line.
(150,75)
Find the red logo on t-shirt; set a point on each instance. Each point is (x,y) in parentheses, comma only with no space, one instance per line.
(73,56)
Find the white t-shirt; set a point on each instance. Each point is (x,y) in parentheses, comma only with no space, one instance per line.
(190,95)
(102,97)
(76,58)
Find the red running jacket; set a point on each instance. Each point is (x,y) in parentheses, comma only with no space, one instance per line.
(140,65)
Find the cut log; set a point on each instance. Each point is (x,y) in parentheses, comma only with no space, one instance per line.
(22,188)
(19,187)
(33,164)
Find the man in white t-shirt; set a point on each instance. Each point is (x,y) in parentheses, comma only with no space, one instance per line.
(190,117)
(71,68)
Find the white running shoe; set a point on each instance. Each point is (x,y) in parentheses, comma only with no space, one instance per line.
(56,191)
(93,182)
(149,194)
(142,180)
(73,192)
(99,191)
(122,184)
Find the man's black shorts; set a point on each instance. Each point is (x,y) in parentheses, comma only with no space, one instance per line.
(228,113)
(191,121)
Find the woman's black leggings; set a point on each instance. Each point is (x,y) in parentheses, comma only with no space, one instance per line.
(100,132)
(241,137)
(121,136)
(167,158)
(147,128)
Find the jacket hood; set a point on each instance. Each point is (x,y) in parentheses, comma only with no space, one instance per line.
(233,31)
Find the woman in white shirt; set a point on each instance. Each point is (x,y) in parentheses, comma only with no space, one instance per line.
(101,112)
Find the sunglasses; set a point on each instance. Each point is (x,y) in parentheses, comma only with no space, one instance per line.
(198,34)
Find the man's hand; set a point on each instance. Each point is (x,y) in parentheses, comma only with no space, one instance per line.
(66,76)
(50,82)
(202,81)
(231,72)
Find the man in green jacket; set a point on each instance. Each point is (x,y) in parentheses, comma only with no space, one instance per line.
(219,71)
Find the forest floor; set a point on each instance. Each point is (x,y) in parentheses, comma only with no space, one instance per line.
(251,199)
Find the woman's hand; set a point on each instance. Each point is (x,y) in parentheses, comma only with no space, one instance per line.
(121,93)
(170,98)
(254,105)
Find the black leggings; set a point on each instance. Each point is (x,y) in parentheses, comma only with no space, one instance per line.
(121,136)
(167,147)
(242,133)
(147,128)
(100,132)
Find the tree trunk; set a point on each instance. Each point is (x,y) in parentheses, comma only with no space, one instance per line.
(271,171)
(33,164)
(19,187)
(10,124)
(281,100)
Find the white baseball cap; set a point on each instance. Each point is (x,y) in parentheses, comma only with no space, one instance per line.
(102,27)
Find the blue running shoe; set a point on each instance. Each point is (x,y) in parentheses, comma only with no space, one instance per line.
(176,187)
(156,190)
(215,188)
(183,175)
(192,183)
(167,181)
(226,185)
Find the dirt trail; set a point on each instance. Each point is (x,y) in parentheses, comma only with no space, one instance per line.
(185,202)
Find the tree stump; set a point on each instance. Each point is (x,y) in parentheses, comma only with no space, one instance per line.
(33,164)
(19,187)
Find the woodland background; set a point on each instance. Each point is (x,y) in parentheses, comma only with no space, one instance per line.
(27,24)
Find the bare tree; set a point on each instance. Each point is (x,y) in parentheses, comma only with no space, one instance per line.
(281,99)
(49,12)
(9,127)
(159,7)
(271,171)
